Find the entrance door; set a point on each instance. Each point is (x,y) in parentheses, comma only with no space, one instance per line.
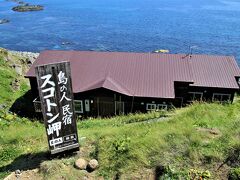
(119,107)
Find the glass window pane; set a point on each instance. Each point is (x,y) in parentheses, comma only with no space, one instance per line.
(225,98)
(78,106)
(217,97)
(198,97)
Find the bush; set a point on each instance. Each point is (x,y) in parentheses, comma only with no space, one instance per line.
(121,146)
(170,173)
(197,174)
(8,153)
(234,174)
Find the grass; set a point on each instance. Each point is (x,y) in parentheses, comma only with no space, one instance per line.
(201,140)
(126,148)
(175,142)
(7,75)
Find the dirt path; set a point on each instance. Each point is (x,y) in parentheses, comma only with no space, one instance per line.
(25,175)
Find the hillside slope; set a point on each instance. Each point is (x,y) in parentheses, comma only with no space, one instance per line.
(197,142)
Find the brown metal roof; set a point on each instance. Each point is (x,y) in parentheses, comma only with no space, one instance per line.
(142,74)
(214,71)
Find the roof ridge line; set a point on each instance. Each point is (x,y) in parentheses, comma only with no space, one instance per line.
(117,84)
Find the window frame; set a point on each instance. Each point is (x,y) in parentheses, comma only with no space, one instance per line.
(163,107)
(81,110)
(221,94)
(151,104)
(194,93)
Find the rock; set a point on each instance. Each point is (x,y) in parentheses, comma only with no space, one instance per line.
(211,131)
(30,61)
(81,164)
(18,69)
(66,43)
(17,171)
(28,57)
(93,164)
(3,106)
(27,7)
(15,85)
(3,21)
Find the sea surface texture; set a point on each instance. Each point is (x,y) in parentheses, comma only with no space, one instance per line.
(211,26)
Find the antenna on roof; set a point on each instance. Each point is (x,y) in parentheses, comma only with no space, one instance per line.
(190,51)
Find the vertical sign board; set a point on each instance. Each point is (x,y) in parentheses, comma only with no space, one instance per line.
(55,91)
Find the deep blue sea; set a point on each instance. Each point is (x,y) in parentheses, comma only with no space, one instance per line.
(213,26)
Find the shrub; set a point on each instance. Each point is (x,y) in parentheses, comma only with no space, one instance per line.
(234,174)
(197,174)
(8,153)
(121,146)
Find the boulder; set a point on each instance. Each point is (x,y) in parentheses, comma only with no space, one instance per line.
(93,164)
(15,84)
(27,7)
(3,21)
(81,164)
(17,173)
(66,43)
(18,69)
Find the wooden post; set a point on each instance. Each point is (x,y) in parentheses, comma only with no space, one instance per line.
(132,104)
(98,106)
(56,96)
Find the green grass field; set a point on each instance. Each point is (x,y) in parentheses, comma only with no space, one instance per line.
(201,141)
(200,137)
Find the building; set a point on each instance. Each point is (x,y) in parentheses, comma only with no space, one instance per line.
(110,83)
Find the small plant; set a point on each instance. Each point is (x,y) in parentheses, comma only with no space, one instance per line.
(234,174)
(198,174)
(94,154)
(170,174)
(120,155)
(201,124)
(121,146)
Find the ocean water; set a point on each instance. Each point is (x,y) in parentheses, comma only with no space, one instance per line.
(212,26)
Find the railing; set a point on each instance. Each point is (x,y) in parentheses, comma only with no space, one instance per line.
(37,105)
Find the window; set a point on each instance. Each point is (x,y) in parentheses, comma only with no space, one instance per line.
(151,107)
(221,97)
(78,106)
(154,107)
(196,96)
(162,107)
